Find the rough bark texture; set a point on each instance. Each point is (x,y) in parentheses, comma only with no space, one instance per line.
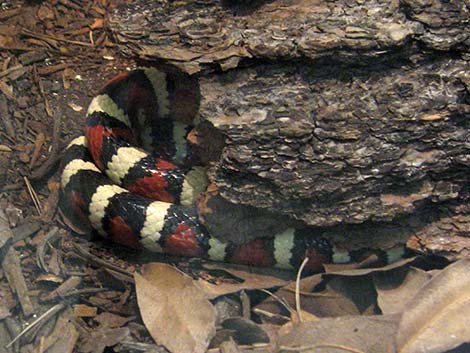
(199,34)
(333,112)
(341,145)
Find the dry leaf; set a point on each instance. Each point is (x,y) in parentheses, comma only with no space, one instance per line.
(356,291)
(174,310)
(276,310)
(438,317)
(304,315)
(365,271)
(111,320)
(331,295)
(250,281)
(245,332)
(66,341)
(229,347)
(397,287)
(344,334)
(64,335)
(345,292)
(97,340)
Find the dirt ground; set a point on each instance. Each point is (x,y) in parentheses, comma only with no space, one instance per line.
(54,56)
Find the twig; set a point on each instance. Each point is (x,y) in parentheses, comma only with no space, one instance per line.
(143,347)
(120,276)
(38,143)
(81,251)
(13,327)
(92,41)
(12,187)
(270,315)
(40,252)
(41,344)
(11,266)
(315,346)
(53,310)
(10,13)
(53,158)
(70,284)
(33,194)
(48,37)
(82,291)
(24,230)
(5,116)
(297,290)
(10,70)
(245,347)
(280,300)
(42,91)
(71,5)
(44,71)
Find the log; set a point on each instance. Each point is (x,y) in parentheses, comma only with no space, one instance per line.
(196,35)
(342,115)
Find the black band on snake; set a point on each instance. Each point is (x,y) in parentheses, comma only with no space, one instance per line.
(142,199)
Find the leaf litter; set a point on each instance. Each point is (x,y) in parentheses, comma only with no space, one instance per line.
(176,312)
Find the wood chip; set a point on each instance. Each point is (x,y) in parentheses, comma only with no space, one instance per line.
(82,310)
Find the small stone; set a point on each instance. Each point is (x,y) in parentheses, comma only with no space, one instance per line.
(24,157)
(23,102)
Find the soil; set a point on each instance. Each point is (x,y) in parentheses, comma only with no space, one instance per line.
(54,56)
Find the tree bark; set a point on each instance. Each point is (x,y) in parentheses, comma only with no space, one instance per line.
(343,115)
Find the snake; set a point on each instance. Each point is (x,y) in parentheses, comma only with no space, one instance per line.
(132,184)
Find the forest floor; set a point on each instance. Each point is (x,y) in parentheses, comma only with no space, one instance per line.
(54,56)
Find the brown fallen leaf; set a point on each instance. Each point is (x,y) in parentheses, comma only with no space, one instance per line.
(111,320)
(64,335)
(437,319)
(343,334)
(67,341)
(344,292)
(229,347)
(175,311)
(249,280)
(333,269)
(97,340)
(322,296)
(396,288)
(357,294)
(245,332)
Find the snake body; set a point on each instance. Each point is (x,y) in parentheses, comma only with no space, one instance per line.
(141,199)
